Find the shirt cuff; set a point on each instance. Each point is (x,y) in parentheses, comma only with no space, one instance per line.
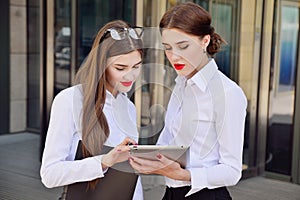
(99,161)
(198,180)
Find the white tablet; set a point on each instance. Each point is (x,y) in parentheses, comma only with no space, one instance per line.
(176,153)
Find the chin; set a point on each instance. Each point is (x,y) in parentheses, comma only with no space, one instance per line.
(187,73)
(182,74)
(125,90)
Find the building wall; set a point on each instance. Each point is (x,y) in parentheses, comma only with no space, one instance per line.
(246,45)
(18,65)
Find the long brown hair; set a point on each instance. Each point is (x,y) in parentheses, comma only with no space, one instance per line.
(92,77)
(192,19)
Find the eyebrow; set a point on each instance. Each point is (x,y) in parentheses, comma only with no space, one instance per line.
(180,42)
(121,65)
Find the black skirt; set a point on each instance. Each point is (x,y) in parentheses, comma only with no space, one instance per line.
(204,194)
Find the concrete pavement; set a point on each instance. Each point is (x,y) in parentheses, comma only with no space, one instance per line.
(20,180)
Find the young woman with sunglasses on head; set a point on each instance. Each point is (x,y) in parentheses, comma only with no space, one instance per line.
(206,111)
(92,123)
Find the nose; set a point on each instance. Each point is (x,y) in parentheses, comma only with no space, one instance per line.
(131,75)
(174,56)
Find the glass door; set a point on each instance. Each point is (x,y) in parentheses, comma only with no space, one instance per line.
(76,25)
(282,89)
(224,14)
(93,14)
(33,66)
(62,45)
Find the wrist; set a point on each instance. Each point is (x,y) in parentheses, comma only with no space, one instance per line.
(184,175)
(105,162)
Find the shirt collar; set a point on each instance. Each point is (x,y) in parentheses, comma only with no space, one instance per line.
(111,96)
(180,79)
(110,99)
(204,75)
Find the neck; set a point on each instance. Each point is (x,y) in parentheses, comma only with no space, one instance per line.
(204,62)
(112,91)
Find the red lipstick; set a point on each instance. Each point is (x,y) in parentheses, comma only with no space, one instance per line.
(127,84)
(179,66)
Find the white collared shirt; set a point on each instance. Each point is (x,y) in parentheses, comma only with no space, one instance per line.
(64,132)
(207,112)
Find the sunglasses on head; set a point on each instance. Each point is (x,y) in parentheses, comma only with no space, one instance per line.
(121,33)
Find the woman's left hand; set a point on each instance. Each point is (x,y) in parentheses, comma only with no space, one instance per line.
(163,166)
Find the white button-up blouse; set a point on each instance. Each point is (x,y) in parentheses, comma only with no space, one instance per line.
(207,112)
(64,132)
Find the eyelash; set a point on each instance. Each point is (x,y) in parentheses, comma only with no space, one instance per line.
(167,48)
(180,47)
(134,67)
(184,47)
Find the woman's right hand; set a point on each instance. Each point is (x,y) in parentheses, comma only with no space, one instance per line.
(118,154)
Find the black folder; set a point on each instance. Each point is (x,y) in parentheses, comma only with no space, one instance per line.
(118,182)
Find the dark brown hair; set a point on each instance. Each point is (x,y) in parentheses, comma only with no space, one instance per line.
(92,77)
(195,20)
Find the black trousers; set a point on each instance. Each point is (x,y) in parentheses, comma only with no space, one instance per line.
(205,194)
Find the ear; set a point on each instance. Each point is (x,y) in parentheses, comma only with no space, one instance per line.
(206,40)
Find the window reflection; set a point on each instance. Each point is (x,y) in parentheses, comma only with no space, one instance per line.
(288,56)
(93,14)
(222,21)
(62,48)
(62,45)
(33,59)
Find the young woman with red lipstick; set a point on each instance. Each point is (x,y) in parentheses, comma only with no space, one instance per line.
(206,111)
(92,123)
